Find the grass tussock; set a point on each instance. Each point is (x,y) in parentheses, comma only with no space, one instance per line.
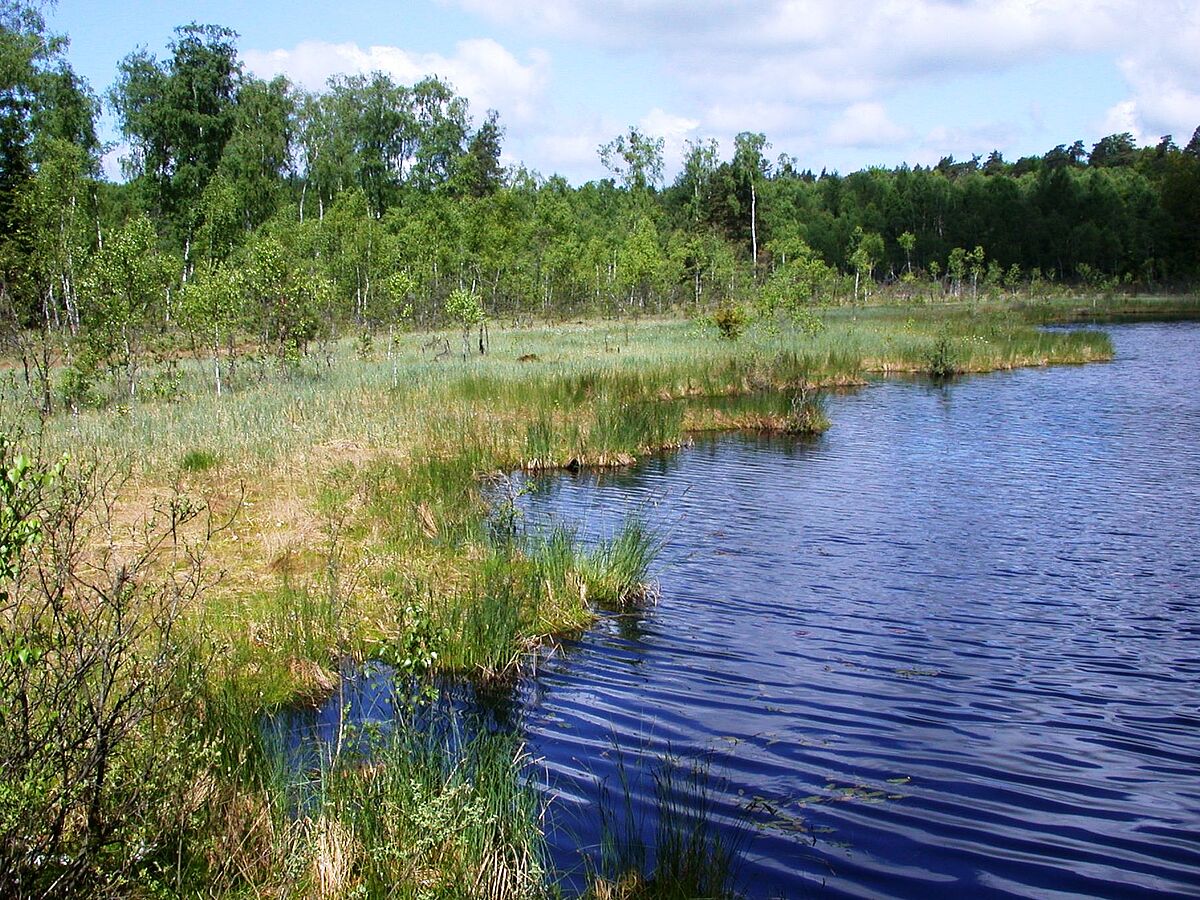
(417,807)
(424,814)
(676,850)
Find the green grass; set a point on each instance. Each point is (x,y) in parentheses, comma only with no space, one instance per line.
(423,813)
(198,461)
(416,807)
(686,854)
(578,399)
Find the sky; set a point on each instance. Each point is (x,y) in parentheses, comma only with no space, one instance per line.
(837,85)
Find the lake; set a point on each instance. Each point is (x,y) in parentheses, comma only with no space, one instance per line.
(981,599)
(950,647)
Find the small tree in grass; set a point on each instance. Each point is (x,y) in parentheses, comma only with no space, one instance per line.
(211,308)
(907,242)
(465,309)
(866,252)
(126,281)
(730,319)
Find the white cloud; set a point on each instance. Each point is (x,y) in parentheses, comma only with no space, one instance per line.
(110,162)
(570,151)
(1162,67)
(673,129)
(865,125)
(1124,117)
(962,142)
(481,69)
(820,56)
(811,74)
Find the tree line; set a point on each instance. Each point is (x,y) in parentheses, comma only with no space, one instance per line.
(252,209)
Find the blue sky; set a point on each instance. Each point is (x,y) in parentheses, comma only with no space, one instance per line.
(837,85)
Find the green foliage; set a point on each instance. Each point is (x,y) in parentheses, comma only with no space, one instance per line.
(634,158)
(414,648)
(956,267)
(124,289)
(464,308)
(730,320)
(43,107)
(796,283)
(941,362)
(199,461)
(210,304)
(98,744)
(641,263)
(22,487)
(179,115)
(288,297)
(373,202)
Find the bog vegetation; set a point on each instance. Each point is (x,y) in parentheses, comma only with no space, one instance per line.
(270,405)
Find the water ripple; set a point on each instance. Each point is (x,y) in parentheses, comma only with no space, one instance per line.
(952,644)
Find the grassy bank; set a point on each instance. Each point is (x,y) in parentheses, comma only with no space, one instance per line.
(355,478)
(356,505)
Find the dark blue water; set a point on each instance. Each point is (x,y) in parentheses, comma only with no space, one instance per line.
(952,647)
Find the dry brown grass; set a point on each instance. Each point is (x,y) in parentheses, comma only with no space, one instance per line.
(334,860)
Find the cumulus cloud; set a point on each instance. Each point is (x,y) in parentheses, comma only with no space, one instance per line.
(1162,68)
(571,150)
(962,142)
(1124,117)
(673,129)
(818,57)
(480,69)
(811,74)
(865,125)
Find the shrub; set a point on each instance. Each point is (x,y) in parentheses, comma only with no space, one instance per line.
(731,320)
(807,413)
(941,360)
(98,696)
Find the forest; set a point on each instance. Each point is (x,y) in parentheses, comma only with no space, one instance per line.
(256,211)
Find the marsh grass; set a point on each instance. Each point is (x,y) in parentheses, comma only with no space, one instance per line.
(678,849)
(806,415)
(362,528)
(615,573)
(424,805)
(198,461)
(542,586)
(432,812)
(390,455)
